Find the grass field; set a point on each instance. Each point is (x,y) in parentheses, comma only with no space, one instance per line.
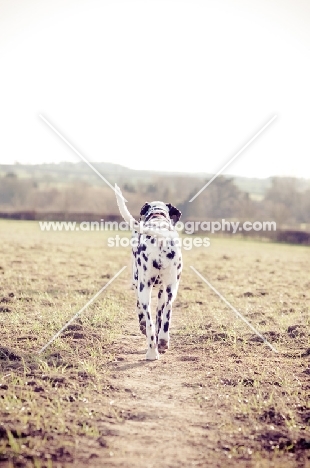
(220,397)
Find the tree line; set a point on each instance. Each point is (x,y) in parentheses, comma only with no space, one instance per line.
(284,201)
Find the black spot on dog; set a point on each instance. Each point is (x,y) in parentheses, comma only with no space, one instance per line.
(169,294)
(148,316)
(153,241)
(152,337)
(168,315)
(160,293)
(178,276)
(145,257)
(148,237)
(156,265)
(141,248)
(144,306)
(144,267)
(166,327)
(179,266)
(139,261)
(153,279)
(149,283)
(140,317)
(171,255)
(141,287)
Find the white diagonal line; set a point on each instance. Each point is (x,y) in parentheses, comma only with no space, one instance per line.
(81,310)
(234,157)
(78,153)
(235,310)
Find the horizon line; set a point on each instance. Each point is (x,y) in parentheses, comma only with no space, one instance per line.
(183,173)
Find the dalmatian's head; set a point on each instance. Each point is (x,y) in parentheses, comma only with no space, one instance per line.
(158,209)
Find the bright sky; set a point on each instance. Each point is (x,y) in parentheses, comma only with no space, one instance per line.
(176,85)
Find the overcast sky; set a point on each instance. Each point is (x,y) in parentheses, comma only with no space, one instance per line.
(157,84)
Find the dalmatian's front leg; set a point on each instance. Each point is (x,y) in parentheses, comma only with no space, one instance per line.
(145,308)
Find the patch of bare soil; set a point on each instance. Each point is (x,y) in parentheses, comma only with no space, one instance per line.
(161,422)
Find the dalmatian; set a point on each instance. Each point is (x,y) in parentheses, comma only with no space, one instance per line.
(156,261)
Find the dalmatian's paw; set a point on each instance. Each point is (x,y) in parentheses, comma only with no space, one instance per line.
(152,354)
(163,345)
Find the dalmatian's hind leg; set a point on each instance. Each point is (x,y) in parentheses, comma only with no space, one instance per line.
(163,335)
(145,309)
(141,318)
(160,310)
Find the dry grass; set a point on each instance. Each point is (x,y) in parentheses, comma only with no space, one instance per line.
(228,399)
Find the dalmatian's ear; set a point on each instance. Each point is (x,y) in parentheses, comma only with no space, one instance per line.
(144,209)
(174,213)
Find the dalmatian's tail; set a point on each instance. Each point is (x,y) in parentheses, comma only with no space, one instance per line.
(139,227)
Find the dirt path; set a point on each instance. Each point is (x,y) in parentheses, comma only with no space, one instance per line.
(164,426)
